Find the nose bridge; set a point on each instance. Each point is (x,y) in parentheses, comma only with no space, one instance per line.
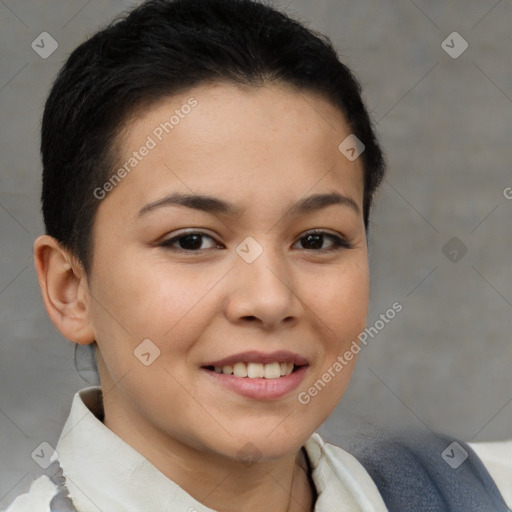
(264,287)
(265,268)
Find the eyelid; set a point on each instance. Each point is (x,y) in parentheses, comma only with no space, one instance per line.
(188,231)
(321,231)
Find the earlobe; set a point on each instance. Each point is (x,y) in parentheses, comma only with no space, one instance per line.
(64,288)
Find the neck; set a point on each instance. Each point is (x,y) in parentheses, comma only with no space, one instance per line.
(218,482)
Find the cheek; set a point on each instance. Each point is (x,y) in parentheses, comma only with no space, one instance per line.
(342,303)
(133,301)
(341,308)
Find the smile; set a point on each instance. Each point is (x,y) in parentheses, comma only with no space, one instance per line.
(256,370)
(258,375)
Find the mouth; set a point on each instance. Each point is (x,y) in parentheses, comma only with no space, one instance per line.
(257,375)
(248,370)
(258,365)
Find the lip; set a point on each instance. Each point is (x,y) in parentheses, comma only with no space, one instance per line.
(253,356)
(259,389)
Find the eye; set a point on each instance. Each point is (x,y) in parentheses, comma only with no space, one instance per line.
(316,240)
(195,241)
(192,241)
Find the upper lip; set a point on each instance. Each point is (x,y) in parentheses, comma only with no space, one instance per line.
(254,356)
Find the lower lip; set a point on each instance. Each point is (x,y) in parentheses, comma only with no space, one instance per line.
(261,389)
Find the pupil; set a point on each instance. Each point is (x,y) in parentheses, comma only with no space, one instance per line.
(190,242)
(314,241)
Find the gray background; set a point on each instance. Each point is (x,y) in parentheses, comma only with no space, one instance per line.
(444,362)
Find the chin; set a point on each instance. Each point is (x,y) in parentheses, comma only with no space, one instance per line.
(263,444)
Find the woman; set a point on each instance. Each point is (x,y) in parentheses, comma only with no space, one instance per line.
(209,169)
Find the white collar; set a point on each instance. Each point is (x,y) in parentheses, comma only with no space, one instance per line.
(104,473)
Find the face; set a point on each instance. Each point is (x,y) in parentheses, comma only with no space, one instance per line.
(230,252)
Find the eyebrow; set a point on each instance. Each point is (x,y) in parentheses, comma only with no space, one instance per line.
(213,205)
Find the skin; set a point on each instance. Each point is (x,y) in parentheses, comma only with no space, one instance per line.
(261,149)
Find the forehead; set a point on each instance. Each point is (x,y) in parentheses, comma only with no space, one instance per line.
(268,143)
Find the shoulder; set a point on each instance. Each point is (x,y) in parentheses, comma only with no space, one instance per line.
(429,472)
(37,499)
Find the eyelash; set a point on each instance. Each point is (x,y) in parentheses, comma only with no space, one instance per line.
(339,243)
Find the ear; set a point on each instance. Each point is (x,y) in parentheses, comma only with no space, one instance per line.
(65,289)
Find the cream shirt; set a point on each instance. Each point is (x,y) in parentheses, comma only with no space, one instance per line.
(104,473)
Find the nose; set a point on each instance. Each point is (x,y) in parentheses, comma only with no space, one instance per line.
(264,293)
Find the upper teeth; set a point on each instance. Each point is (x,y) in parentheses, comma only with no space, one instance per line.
(257,370)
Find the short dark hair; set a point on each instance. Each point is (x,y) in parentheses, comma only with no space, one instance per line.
(161,48)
